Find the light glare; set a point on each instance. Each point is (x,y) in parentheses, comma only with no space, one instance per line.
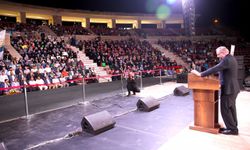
(163,12)
(171,1)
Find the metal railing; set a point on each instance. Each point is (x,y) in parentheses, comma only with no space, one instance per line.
(12,106)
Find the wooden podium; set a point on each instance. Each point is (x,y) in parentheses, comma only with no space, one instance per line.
(205,94)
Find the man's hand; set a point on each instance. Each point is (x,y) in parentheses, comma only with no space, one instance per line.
(196,72)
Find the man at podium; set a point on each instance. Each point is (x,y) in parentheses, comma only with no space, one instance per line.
(228,75)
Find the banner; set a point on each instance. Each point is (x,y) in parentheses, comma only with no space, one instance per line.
(2,39)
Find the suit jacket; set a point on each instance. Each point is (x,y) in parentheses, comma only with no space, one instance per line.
(228,68)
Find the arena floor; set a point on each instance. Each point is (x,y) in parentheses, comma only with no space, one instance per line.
(166,128)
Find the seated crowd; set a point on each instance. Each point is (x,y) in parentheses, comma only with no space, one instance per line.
(17,27)
(69,30)
(47,63)
(102,31)
(201,54)
(159,32)
(126,54)
(79,30)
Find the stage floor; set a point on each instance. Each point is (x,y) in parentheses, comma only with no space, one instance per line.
(164,128)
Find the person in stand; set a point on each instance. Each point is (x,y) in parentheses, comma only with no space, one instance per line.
(131,84)
(228,75)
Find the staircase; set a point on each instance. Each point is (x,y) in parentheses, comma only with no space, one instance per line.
(47,30)
(10,48)
(90,31)
(133,34)
(104,77)
(171,55)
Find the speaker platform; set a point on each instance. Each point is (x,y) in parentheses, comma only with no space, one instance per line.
(98,122)
(147,104)
(181,91)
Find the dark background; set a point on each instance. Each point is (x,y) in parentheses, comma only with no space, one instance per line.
(230,13)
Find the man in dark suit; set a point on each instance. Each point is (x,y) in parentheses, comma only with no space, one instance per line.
(228,74)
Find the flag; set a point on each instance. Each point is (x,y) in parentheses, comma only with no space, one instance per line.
(2,39)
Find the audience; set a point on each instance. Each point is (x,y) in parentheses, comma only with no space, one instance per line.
(47,62)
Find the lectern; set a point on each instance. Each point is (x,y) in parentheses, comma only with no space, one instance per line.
(205,95)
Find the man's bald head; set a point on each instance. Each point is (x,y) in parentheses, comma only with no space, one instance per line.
(222,51)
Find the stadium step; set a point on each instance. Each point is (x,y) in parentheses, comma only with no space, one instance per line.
(171,55)
(10,48)
(47,30)
(103,75)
